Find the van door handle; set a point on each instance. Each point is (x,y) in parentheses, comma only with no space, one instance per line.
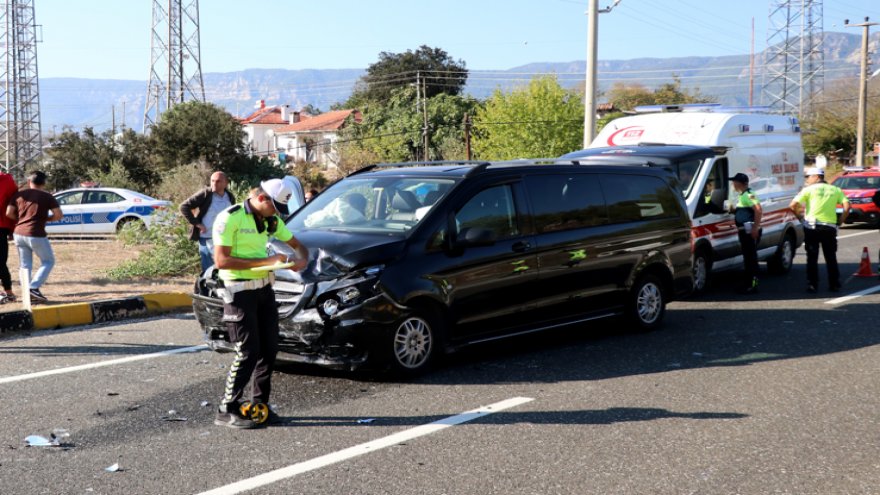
(521,246)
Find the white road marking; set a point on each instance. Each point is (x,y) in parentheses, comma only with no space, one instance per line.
(364,448)
(854,295)
(111,362)
(857,234)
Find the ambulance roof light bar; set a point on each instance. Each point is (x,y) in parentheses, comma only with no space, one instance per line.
(700,107)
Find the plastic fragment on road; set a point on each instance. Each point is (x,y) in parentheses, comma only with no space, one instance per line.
(113,469)
(172,416)
(205,403)
(38,441)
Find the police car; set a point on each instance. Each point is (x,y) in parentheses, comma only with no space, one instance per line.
(104,210)
(860,186)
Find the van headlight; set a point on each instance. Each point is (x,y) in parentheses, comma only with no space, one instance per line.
(362,286)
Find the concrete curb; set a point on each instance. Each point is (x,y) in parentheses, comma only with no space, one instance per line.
(65,315)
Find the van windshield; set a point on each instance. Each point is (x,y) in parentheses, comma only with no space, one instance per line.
(372,204)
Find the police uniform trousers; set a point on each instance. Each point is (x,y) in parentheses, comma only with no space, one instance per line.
(252,322)
(824,236)
(749,248)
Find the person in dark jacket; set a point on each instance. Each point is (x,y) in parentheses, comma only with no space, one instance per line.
(208,202)
(8,188)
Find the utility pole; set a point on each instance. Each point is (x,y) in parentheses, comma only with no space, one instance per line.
(467,137)
(863,91)
(175,58)
(20,135)
(590,88)
(425,118)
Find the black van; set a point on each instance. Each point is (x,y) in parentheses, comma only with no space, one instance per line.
(410,260)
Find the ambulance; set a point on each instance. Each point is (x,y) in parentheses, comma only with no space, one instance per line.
(706,145)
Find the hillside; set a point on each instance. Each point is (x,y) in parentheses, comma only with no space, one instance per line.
(91,102)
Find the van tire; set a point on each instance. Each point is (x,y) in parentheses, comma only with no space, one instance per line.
(647,303)
(702,269)
(783,258)
(414,342)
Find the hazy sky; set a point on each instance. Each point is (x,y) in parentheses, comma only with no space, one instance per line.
(111,38)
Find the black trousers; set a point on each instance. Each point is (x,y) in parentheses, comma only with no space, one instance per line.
(749,248)
(252,322)
(826,238)
(5,278)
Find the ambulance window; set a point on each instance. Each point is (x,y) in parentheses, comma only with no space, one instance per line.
(686,173)
(714,192)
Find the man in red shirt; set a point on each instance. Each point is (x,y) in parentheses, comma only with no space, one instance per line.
(30,209)
(8,187)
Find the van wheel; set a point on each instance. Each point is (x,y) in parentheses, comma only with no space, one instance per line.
(783,259)
(647,303)
(413,342)
(702,270)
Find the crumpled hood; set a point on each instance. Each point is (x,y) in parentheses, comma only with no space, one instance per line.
(334,254)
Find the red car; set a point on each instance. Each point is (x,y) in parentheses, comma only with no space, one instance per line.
(861,187)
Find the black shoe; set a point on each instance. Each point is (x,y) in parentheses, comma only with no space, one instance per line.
(811,289)
(233,419)
(37,296)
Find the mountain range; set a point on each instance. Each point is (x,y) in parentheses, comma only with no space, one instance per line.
(101,103)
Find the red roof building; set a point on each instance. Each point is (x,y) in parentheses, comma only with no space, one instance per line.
(313,140)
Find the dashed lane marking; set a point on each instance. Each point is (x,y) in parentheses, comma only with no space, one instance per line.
(854,295)
(364,448)
(857,234)
(99,364)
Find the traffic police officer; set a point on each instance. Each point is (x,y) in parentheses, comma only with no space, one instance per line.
(816,205)
(747,215)
(240,234)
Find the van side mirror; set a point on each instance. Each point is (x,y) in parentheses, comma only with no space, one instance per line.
(476,236)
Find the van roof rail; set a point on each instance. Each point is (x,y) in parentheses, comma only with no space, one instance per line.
(424,163)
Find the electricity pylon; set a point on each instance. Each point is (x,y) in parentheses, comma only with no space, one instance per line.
(20,140)
(175,58)
(794,63)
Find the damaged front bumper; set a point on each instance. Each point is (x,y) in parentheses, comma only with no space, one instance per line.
(342,341)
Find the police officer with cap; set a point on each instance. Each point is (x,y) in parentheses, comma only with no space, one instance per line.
(748,215)
(816,205)
(240,234)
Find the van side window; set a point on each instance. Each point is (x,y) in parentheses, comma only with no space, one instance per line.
(638,197)
(491,208)
(566,202)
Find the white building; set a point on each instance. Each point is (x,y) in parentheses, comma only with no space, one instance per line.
(313,139)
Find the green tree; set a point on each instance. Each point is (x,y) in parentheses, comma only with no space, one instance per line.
(542,119)
(831,124)
(442,74)
(195,131)
(626,97)
(74,157)
(393,131)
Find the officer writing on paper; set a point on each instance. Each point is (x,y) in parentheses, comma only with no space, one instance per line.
(240,234)
(747,215)
(816,206)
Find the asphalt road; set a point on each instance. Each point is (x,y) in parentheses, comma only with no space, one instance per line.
(771,393)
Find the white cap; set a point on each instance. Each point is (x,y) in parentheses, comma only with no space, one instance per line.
(280,193)
(814,171)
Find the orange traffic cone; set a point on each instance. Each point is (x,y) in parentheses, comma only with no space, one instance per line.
(865,266)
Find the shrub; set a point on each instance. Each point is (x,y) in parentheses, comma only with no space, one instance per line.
(167,250)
